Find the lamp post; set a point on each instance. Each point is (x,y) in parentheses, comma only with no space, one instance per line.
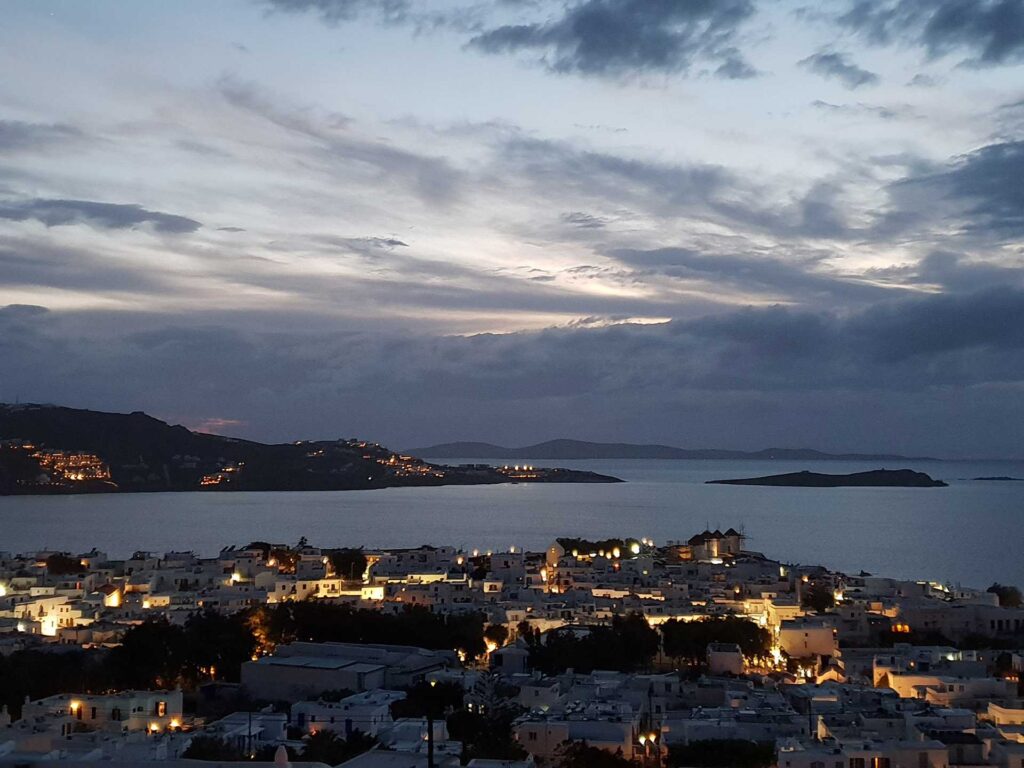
(652,740)
(430,725)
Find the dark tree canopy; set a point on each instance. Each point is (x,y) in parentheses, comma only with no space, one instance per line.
(1009,597)
(818,597)
(627,645)
(321,622)
(722,753)
(690,639)
(578,754)
(348,563)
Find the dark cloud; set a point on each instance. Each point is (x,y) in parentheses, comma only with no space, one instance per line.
(29,262)
(990,31)
(584,220)
(16,135)
(831,64)
(54,213)
(805,278)
(980,192)
(338,11)
(956,272)
(859,109)
(702,192)
(337,149)
(622,37)
(932,360)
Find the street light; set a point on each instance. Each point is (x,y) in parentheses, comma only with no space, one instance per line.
(430,725)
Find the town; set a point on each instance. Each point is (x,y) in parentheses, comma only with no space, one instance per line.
(615,652)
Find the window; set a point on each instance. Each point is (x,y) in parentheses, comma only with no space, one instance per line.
(161,708)
(856,762)
(531,736)
(880,762)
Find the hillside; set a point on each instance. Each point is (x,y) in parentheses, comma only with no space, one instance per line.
(579,449)
(885,478)
(52,449)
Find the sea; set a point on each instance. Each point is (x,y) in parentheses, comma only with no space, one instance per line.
(970,533)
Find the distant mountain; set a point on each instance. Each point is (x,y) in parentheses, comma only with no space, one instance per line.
(887,478)
(580,449)
(48,449)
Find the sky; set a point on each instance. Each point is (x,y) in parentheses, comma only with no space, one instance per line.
(708,223)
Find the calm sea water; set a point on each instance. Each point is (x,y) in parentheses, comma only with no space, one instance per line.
(970,533)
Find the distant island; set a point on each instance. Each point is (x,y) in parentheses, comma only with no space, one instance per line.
(48,449)
(887,478)
(580,449)
(1001,479)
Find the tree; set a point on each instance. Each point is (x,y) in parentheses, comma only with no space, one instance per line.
(328,747)
(348,563)
(1009,597)
(578,754)
(320,622)
(627,645)
(151,655)
(216,646)
(60,564)
(690,639)
(497,634)
(424,698)
(213,748)
(723,753)
(819,598)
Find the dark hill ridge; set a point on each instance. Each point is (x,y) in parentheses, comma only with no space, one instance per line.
(888,478)
(146,454)
(580,449)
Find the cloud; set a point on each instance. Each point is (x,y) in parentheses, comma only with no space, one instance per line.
(860,110)
(612,38)
(330,140)
(16,135)
(804,278)
(55,213)
(584,220)
(831,64)
(338,11)
(990,31)
(979,192)
(918,360)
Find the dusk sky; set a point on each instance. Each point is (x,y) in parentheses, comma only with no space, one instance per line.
(708,223)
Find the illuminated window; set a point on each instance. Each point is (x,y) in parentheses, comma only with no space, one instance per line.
(161,708)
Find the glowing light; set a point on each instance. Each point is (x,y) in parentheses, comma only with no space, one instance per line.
(459,560)
(236,577)
(154,727)
(476,553)
(491,646)
(634,548)
(3,590)
(75,706)
(175,723)
(616,553)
